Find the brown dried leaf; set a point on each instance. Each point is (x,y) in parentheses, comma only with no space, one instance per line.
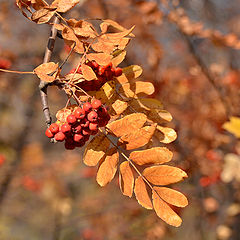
(108,167)
(171,196)
(123,43)
(64,5)
(126,179)
(95,150)
(117,36)
(100,58)
(44,69)
(88,72)
(42,16)
(131,90)
(118,57)
(156,155)
(137,139)
(141,193)
(169,134)
(164,175)
(130,123)
(164,211)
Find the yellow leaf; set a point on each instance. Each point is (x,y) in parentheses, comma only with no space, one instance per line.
(233,126)
(128,124)
(159,116)
(126,179)
(106,92)
(131,90)
(44,69)
(156,155)
(118,57)
(108,167)
(133,71)
(141,193)
(169,134)
(164,175)
(171,196)
(138,138)
(101,58)
(95,150)
(164,211)
(87,72)
(119,106)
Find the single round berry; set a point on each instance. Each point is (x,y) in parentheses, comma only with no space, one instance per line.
(71,119)
(95,64)
(79,113)
(87,106)
(66,128)
(93,126)
(102,112)
(96,104)
(54,128)
(117,72)
(60,136)
(86,131)
(78,137)
(92,116)
(109,65)
(48,133)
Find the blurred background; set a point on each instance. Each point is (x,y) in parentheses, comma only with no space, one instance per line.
(190,51)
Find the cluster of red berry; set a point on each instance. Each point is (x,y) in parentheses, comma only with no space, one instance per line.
(103,73)
(80,124)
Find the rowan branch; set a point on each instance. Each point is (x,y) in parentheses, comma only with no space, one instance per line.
(43,85)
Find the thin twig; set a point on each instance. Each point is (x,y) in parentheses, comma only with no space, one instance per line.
(43,85)
(12,71)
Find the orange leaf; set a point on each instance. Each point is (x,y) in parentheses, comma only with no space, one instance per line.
(171,196)
(141,193)
(156,155)
(44,69)
(118,57)
(169,134)
(164,211)
(42,16)
(126,179)
(120,34)
(100,58)
(133,71)
(139,138)
(108,167)
(95,150)
(119,106)
(128,124)
(63,113)
(164,175)
(64,5)
(102,44)
(87,72)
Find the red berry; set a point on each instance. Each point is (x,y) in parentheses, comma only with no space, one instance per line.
(78,137)
(101,70)
(54,128)
(95,64)
(117,72)
(79,113)
(93,126)
(77,129)
(48,133)
(86,138)
(96,104)
(86,131)
(109,65)
(60,136)
(87,106)
(71,119)
(69,145)
(102,112)
(66,128)
(92,116)
(94,132)
(84,123)
(73,70)
(79,144)
(108,74)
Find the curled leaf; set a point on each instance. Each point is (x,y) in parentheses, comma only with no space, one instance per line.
(164,211)
(129,123)
(118,57)
(133,71)
(156,155)
(42,15)
(164,175)
(44,69)
(108,167)
(171,196)
(95,150)
(168,134)
(126,179)
(141,193)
